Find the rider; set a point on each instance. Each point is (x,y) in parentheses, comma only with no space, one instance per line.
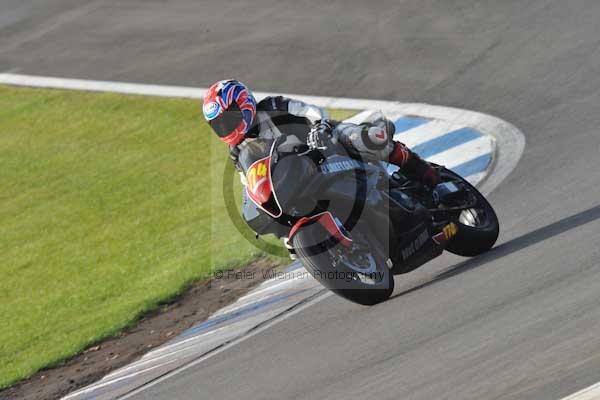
(233,114)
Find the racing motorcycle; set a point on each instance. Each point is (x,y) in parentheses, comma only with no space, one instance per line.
(352,223)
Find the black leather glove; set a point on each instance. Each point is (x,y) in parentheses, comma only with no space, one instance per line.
(319,135)
(423,171)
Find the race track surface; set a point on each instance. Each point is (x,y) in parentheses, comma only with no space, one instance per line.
(522,322)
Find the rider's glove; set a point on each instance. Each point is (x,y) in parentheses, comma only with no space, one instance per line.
(431,177)
(423,171)
(318,136)
(234,154)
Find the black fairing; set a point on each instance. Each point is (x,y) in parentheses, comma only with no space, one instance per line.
(291,175)
(355,192)
(259,221)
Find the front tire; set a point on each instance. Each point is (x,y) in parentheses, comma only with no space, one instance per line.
(478,228)
(318,253)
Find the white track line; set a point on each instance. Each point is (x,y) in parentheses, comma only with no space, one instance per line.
(247,303)
(178,91)
(102,384)
(232,343)
(589,393)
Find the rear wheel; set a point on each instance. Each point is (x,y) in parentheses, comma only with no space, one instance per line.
(478,227)
(359,274)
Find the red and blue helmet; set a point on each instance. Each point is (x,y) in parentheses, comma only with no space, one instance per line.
(229,108)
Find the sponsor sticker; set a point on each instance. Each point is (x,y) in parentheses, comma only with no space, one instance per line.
(338,166)
(415,245)
(447,233)
(211,109)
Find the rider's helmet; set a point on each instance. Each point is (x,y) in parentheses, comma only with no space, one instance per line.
(230,109)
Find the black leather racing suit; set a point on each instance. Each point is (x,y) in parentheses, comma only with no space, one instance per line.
(372,140)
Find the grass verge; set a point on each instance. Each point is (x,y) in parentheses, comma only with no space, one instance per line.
(106,211)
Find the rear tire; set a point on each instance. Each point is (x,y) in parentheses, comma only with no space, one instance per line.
(315,250)
(471,241)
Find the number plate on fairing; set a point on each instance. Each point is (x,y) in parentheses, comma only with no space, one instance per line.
(257,178)
(259,187)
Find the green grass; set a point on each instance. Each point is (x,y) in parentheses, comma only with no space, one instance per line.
(109,206)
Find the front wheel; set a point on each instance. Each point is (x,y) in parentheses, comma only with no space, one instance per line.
(478,227)
(359,274)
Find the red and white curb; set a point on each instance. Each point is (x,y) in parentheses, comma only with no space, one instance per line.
(485,146)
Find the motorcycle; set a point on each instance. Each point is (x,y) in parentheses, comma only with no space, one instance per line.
(352,223)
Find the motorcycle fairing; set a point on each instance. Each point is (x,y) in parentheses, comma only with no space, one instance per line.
(259,187)
(328,222)
(415,249)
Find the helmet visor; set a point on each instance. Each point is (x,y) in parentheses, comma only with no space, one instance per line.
(228,121)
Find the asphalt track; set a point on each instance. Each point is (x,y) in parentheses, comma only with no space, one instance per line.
(522,322)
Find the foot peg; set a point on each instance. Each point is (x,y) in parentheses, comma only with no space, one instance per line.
(290,248)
